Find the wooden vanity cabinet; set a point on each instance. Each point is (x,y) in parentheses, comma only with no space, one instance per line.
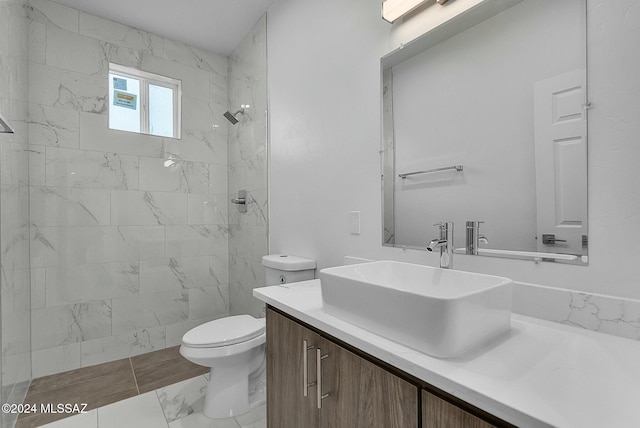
(358,393)
(438,413)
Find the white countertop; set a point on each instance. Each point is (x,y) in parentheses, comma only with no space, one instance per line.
(542,374)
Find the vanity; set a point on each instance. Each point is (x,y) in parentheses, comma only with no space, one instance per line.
(540,374)
(361,391)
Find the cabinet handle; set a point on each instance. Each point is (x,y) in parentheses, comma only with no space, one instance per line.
(319,358)
(305,368)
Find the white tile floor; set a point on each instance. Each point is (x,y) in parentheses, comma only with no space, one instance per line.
(175,406)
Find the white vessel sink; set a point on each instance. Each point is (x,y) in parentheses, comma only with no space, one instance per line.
(440,312)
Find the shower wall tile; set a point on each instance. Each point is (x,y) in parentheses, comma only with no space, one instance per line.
(170,175)
(18,90)
(57,87)
(149,310)
(250,138)
(248,68)
(65,206)
(54,14)
(193,79)
(12,164)
(138,208)
(176,274)
(200,114)
(38,288)
(218,87)
(16,373)
(124,56)
(36,165)
(103,281)
(75,52)
(247,242)
(121,35)
(257,210)
(249,173)
(15,334)
(176,331)
(124,227)
(62,325)
(198,146)
(56,359)
(194,57)
(80,168)
(122,345)
(51,126)
(196,240)
(245,274)
(209,301)
(72,246)
(95,135)
(218,180)
(208,209)
(241,302)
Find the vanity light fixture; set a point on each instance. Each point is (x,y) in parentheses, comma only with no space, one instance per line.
(5,128)
(394,9)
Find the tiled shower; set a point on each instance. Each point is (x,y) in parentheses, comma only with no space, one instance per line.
(14,208)
(115,244)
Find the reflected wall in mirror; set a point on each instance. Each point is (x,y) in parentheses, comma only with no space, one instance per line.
(506,99)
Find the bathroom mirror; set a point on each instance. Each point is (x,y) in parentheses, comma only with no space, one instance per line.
(485,119)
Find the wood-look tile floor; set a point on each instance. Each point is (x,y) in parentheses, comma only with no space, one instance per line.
(106,383)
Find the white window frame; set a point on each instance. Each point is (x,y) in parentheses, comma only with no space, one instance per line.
(147,79)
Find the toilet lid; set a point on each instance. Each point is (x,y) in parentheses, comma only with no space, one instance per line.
(224,331)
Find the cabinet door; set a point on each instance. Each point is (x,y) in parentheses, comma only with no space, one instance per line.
(438,413)
(287,407)
(363,395)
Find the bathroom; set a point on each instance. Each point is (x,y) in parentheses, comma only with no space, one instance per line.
(323,84)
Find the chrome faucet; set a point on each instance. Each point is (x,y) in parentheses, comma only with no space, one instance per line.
(474,238)
(444,243)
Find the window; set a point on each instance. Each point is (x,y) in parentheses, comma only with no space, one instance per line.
(143,102)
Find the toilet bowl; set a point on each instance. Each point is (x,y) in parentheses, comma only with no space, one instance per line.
(234,347)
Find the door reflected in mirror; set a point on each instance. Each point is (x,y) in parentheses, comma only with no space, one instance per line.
(506,100)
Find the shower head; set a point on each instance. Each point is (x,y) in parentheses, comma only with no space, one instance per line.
(231,117)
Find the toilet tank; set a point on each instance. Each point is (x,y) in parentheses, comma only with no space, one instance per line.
(285,269)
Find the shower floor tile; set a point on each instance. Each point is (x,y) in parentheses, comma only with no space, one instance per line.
(157,369)
(103,384)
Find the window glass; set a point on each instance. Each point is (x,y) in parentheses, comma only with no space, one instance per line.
(160,111)
(144,102)
(124,103)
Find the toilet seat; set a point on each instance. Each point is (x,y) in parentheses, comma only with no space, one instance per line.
(224,332)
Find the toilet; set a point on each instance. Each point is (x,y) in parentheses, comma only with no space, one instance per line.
(234,347)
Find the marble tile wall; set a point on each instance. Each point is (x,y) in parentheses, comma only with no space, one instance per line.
(596,312)
(247,148)
(129,232)
(15,364)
